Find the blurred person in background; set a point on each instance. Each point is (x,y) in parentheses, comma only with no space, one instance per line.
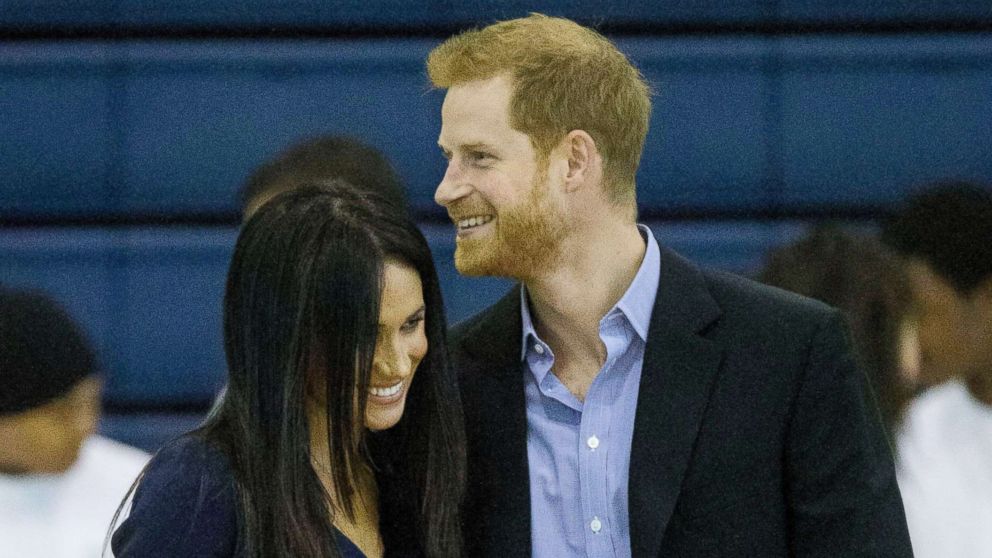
(341,431)
(322,158)
(945,446)
(860,276)
(59,482)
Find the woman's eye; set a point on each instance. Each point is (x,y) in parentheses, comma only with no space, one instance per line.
(412,323)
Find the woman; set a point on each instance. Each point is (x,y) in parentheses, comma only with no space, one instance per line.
(341,431)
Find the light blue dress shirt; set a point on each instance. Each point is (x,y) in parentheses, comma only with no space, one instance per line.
(579,451)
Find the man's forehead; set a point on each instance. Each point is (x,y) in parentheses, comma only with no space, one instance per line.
(472,129)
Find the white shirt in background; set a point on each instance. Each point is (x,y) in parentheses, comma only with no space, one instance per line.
(945,473)
(67,515)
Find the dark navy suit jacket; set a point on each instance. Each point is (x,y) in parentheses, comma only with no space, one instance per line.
(753,434)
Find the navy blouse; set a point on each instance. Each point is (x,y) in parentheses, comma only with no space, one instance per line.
(186,505)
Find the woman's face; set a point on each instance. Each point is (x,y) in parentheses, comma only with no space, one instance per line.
(400,345)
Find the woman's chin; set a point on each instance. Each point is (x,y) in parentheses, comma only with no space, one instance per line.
(383,417)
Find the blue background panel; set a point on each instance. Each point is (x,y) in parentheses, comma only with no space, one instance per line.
(57,129)
(707,144)
(72,266)
(149,300)
(895,11)
(434,13)
(368,13)
(739,124)
(864,121)
(199,117)
(169,325)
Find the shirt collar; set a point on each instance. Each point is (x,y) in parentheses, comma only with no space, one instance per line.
(638,302)
(635,304)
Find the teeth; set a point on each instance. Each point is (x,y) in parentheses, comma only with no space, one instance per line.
(474,221)
(386,391)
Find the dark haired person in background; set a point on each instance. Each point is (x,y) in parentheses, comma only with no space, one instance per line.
(861,277)
(621,401)
(341,432)
(322,158)
(59,483)
(945,448)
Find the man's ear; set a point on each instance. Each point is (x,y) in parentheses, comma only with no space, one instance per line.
(585,164)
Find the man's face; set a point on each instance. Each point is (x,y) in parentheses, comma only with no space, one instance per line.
(46,439)
(954,332)
(495,189)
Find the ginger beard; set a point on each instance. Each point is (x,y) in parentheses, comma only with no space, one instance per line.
(526,239)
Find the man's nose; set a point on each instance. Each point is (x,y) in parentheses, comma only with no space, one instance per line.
(452,187)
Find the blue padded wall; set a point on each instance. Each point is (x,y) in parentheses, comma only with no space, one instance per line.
(707,144)
(71,265)
(369,13)
(434,13)
(58,129)
(165,127)
(873,11)
(740,124)
(864,121)
(150,300)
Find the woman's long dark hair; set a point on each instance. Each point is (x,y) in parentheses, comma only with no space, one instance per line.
(304,287)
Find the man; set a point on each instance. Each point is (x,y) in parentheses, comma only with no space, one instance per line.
(60,484)
(622,402)
(945,448)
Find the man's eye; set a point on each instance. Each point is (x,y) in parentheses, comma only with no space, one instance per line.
(480,157)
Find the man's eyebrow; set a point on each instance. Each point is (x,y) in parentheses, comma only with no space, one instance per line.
(476,146)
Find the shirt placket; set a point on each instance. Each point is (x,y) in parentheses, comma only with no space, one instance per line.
(594,438)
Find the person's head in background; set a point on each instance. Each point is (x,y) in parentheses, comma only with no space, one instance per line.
(333,329)
(945,234)
(322,158)
(49,390)
(861,277)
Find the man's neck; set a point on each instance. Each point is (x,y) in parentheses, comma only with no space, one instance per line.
(568,302)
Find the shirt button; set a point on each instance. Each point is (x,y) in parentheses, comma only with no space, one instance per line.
(596,525)
(539,349)
(592,442)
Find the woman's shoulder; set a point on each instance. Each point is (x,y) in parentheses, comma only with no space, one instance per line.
(189,466)
(185,504)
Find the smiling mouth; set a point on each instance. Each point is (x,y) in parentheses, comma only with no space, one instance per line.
(470,223)
(387,391)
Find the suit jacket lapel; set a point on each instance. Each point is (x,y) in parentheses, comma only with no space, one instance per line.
(496,356)
(678,373)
